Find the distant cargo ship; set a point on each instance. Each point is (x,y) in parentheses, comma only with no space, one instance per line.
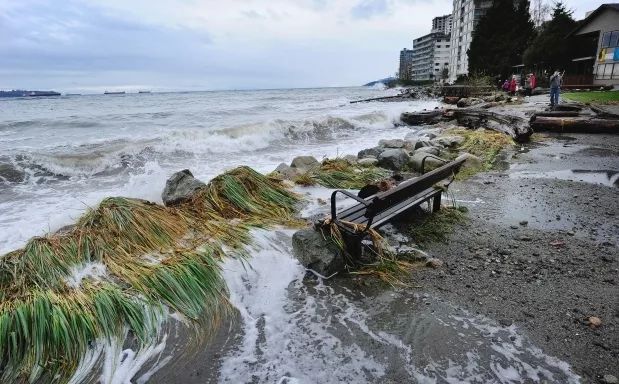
(143,91)
(114,93)
(23,93)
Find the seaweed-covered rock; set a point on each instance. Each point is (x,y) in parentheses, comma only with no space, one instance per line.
(304,163)
(370,152)
(317,252)
(180,187)
(395,159)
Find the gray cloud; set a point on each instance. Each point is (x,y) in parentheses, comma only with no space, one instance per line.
(366,9)
(81,46)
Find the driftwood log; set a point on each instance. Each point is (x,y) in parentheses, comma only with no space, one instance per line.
(384,98)
(514,126)
(602,113)
(555,114)
(580,124)
(422,118)
(568,107)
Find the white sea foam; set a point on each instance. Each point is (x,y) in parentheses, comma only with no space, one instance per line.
(282,343)
(93,271)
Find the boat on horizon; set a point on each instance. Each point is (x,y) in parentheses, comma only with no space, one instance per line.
(143,91)
(114,93)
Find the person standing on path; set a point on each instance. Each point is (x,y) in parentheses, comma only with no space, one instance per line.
(513,86)
(555,88)
(527,86)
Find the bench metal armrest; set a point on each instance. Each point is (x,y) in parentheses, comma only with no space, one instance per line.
(423,161)
(351,195)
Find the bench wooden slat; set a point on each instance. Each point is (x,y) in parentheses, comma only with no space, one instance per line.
(413,186)
(354,209)
(400,208)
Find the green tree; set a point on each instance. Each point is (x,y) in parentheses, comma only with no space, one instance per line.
(500,38)
(549,50)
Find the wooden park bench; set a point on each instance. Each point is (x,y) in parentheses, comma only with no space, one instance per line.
(377,210)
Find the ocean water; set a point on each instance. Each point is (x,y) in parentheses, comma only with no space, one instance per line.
(59,156)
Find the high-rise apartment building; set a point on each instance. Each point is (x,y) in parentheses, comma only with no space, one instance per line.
(406,60)
(466,14)
(442,24)
(431,52)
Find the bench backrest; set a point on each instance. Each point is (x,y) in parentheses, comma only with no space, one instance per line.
(411,187)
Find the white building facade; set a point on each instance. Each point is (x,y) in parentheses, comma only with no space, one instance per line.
(431,52)
(466,14)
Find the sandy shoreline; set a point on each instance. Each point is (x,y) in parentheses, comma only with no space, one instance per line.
(540,280)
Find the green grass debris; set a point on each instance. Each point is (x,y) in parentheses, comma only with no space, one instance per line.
(435,227)
(341,174)
(48,324)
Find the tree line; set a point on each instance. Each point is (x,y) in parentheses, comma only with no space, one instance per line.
(513,32)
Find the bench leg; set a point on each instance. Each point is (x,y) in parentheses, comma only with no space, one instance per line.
(436,204)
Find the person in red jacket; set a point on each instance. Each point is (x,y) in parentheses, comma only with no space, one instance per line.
(533,81)
(512,85)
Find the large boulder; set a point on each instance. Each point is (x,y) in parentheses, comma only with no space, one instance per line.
(370,152)
(430,150)
(367,161)
(317,252)
(304,163)
(395,159)
(180,187)
(395,143)
(448,141)
(350,159)
(430,162)
(423,143)
(470,161)
(286,171)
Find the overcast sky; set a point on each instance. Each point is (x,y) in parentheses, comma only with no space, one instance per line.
(95,45)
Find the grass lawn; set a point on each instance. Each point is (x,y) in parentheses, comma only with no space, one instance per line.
(597,97)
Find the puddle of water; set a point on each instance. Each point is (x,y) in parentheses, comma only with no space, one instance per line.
(601,177)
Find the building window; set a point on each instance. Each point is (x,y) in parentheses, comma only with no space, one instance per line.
(606,40)
(614,39)
(607,72)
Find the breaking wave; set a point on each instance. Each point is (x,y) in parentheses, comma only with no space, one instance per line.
(110,158)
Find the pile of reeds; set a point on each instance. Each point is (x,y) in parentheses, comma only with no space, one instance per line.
(341,174)
(156,259)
